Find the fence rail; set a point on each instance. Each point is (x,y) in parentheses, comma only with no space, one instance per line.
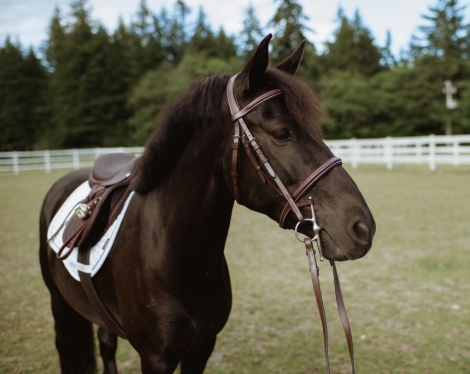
(431,150)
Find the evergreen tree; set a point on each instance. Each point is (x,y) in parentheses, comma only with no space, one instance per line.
(203,37)
(142,24)
(23,95)
(289,23)
(388,59)
(461,119)
(205,44)
(105,91)
(353,49)
(88,87)
(122,52)
(146,50)
(252,32)
(68,57)
(225,46)
(177,35)
(36,102)
(54,47)
(444,44)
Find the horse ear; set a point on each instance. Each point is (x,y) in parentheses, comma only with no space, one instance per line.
(291,63)
(251,75)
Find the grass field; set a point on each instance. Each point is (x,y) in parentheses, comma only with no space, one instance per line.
(408,300)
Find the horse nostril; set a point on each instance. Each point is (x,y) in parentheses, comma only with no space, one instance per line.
(362,231)
(359,233)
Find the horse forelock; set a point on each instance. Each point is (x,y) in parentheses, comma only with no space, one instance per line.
(302,103)
(194,110)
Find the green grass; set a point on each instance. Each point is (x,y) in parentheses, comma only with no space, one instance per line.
(408,299)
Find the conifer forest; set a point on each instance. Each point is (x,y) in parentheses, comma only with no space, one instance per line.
(87,86)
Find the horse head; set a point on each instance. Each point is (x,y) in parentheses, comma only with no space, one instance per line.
(284,127)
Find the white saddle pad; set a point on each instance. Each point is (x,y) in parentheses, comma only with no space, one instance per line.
(100,251)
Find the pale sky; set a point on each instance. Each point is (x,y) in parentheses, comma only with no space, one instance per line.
(27,20)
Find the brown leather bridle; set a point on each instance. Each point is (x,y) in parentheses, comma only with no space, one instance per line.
(257,157)
(252,147)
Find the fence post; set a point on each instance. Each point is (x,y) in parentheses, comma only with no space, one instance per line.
(389,152)
(456,149)
(16,168)
(47,161)
(353,153)
(432,152)
(76,159)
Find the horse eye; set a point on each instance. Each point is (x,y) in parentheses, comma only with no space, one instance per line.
(281,134)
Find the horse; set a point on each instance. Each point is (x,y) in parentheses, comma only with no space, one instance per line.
(166,280)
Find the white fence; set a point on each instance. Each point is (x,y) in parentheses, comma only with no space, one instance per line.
(431,150)
(60,159)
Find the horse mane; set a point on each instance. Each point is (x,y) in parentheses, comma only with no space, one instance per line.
(199,107)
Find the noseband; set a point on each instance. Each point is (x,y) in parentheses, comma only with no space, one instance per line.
(257,157)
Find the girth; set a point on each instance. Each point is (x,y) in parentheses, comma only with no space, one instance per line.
(262,166)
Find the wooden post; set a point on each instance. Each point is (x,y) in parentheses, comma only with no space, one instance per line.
(389,152)
(456,152)
(432,152)
(76,159)
(47,161)
(16,167)
(354,158)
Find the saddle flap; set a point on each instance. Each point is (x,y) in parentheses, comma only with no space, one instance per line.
(105,206)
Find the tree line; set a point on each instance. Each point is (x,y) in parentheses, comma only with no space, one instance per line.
(95,88)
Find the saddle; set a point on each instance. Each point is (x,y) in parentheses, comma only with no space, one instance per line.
(109,181)
(110,187)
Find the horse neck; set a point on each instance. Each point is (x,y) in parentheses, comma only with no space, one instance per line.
(194,202)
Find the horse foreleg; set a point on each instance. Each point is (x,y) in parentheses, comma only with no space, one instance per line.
(73,333)
(108,346)
(194,361)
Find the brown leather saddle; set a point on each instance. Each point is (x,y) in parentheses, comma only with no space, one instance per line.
(109,181)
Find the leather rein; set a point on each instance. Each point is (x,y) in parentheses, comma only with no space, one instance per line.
(259,161)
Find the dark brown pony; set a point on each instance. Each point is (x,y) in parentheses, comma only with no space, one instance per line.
(166,280)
